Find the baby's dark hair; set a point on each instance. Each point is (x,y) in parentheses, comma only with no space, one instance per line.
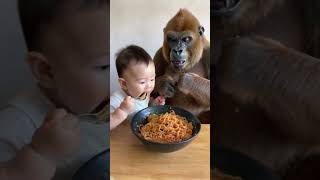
(36,15)
(129,54)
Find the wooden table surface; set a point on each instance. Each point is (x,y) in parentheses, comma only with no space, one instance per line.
(130,160)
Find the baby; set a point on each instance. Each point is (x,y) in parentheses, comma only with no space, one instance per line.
(68,54)
(136,73)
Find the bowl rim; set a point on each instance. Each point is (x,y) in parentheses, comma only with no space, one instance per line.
(173,143)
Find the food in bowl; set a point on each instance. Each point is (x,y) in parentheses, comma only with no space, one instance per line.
(140,119)
(168,127)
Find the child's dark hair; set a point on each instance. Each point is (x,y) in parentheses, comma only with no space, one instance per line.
(36,15)
(129,54)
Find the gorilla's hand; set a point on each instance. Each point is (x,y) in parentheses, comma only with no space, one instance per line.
(165,86)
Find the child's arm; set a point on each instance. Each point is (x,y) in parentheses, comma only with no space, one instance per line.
(54,141)
(121,113)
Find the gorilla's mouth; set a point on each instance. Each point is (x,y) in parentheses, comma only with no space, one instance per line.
(223,7)
(178,63)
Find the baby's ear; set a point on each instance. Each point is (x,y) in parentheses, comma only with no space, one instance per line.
(41,69)
(123,83)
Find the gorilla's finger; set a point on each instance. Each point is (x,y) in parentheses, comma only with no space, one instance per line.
(171,89)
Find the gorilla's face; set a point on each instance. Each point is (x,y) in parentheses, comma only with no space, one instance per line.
(183,41)
(179,42)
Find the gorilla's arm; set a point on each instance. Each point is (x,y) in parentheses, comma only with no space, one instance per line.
(195,86)
(283,82)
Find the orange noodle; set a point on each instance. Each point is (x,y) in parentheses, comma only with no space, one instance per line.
(166,128)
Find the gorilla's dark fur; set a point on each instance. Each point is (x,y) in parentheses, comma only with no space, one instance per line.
(267,96)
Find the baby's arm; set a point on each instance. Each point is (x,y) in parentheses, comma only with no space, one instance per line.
(53,142)
(121,113)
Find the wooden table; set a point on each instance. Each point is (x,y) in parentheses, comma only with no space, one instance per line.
(130,160)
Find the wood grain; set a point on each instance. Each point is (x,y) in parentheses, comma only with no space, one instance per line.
(129,159)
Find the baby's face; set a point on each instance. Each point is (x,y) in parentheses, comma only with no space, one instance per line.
(139,78)
(79,56)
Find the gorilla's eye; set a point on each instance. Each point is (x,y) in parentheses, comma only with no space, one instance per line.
(171,39)
(187,39)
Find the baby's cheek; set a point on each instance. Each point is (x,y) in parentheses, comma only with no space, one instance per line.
(153,84)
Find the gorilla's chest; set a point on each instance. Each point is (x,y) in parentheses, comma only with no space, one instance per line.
(199,69)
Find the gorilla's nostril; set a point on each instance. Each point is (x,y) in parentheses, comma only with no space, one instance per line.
(178,52)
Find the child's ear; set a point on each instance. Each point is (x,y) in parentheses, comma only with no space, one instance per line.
(123,83)
(41,69)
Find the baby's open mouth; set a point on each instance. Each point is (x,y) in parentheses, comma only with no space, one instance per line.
(142,96)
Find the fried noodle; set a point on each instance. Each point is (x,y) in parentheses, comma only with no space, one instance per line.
(166,128)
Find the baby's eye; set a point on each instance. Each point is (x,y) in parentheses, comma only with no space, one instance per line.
(152,80)
(141,82)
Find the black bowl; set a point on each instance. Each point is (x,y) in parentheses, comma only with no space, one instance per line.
(140,118)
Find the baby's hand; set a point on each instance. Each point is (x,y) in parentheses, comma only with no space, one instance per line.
(160,100)
(58,137)
(127,105)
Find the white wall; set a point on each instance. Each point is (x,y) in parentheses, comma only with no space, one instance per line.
(14,73)
(141,22)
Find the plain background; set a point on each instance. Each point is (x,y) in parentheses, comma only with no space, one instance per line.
(141,22)
(14,73)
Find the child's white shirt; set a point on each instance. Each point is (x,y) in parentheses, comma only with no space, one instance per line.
(23,115)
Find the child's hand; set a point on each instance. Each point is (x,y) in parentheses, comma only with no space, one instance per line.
(160,100)
(58,137)
(127,105)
